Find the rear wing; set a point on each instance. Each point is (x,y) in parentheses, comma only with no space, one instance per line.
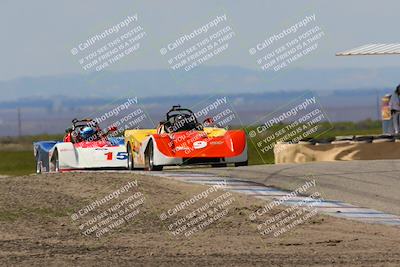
(372,50)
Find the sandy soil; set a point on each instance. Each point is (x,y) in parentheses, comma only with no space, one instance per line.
(36,229)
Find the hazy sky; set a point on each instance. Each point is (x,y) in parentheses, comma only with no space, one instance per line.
(37,36)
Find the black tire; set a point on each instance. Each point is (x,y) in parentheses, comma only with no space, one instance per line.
(218,165)
(130,162)
(38,165)
(243,163)
(55,162)
(150,159)
(363,139)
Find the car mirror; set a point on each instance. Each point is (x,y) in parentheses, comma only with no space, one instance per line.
(68,130)
(208,121)
(112,128)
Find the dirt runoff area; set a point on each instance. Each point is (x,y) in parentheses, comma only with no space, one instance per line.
(125,219)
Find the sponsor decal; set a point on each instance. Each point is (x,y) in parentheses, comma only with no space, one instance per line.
(199,144)
(181,148)
(217,142)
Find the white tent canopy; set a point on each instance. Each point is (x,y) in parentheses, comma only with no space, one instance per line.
(372,49)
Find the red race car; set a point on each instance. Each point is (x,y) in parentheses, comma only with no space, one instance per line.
(181,140)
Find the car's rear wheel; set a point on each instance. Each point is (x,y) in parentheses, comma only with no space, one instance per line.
(218,165)
(55,162)
(150,159)
(243,163)
(131,165)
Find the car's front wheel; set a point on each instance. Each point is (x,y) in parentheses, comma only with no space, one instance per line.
(150,159)
(131,164)
(38,165)
(243,163)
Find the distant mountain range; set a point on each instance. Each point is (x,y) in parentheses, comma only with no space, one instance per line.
(48,104)
(204,80)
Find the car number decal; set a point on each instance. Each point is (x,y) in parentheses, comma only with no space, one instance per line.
(120,155)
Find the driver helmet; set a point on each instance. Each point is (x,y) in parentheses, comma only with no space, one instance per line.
(179,118)
(86,132)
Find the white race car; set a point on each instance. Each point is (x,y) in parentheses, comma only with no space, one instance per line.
(97,151)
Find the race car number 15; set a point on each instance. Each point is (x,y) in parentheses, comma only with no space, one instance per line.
(120,155)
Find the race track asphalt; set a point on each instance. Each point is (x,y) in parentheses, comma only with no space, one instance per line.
(372,184)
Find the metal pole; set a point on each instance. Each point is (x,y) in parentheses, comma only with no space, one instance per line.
(378,105)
